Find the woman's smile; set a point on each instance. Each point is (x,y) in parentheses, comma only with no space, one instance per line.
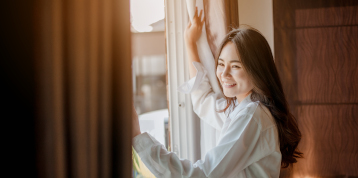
(229,85)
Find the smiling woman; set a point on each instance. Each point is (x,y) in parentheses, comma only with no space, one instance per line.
(231,74)
(258,134)
(261,75)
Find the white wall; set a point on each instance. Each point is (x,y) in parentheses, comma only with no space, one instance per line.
(258,14)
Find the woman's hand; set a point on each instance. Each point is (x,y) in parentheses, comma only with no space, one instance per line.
(135,123)
(193,30)
(191,35)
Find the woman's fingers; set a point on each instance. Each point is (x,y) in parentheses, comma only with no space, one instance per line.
(196,12)
(197,18)
(203,21)
(189,24)
(201,13)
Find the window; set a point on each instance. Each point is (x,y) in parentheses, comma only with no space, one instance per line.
(149,74)
(148,66)
(184,133)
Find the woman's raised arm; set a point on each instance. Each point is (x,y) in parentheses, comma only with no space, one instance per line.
(191,35)
(205,100)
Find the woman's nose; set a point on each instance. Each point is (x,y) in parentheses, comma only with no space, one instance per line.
(226,73)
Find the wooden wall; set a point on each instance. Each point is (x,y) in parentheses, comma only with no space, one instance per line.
(316,52)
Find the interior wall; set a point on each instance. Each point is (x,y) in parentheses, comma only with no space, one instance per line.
(258,14)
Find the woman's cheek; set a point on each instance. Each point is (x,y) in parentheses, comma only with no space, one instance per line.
(218,73)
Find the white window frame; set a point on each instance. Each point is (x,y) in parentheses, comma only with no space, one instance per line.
(184,124)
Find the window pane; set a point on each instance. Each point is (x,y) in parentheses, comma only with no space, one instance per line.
(149,73)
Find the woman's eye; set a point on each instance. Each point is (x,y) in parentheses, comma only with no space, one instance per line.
(236,66)
(221,64)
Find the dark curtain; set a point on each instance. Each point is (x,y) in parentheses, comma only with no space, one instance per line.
(68,97)
(317,59)
(17,86)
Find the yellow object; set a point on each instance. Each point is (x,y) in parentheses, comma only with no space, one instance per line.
(139,167)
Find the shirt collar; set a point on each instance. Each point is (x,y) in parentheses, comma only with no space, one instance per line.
(241,105)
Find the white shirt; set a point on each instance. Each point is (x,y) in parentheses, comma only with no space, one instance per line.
(248,145)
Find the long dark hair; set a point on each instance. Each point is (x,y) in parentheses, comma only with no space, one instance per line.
(257,59)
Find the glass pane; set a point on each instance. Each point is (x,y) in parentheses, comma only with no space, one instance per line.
(149,73)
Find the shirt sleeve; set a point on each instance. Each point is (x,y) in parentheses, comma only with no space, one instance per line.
(205,101)
(237,149)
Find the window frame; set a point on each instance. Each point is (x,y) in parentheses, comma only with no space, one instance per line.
(183,124)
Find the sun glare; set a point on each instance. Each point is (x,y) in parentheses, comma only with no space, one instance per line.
(146,12)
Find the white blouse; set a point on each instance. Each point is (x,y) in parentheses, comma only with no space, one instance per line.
(248,145)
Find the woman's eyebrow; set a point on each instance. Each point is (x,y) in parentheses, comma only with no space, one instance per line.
(231,61)
(235,61)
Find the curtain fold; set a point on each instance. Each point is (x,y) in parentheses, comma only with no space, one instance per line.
(84,91)
(220,17)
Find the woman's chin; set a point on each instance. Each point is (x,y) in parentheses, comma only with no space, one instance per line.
(229,95)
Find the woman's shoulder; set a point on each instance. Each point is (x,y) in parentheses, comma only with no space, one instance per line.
(243,111)
(258,112)
(263,115)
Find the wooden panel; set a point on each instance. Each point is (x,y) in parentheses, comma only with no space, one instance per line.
(327,16)
(316,56)
(284,51)
(329,141)
(322,11)
(327,66)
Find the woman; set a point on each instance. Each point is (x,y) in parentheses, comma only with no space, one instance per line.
(258,133)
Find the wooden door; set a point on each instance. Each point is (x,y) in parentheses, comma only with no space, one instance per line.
(316,52)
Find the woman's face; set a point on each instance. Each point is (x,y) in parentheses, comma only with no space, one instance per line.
(231,74)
